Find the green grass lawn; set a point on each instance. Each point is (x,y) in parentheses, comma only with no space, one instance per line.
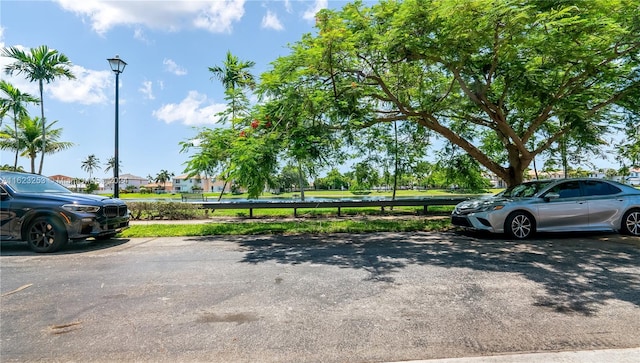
(287,227)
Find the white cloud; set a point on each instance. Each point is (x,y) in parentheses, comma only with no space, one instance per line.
(139,34)
(214,15)
(219,15)
(1,37)
(147,90)
(271,21)
(194,110)
(287,6)
(311,12)
(173,67)
(89,86)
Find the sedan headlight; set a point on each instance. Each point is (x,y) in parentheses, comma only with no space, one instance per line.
(81,208)
(491,208)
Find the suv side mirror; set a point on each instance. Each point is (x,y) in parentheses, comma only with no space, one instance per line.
(551,196)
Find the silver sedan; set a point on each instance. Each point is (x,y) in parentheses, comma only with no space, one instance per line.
(554,206)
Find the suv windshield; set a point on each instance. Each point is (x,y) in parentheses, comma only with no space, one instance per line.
(525,190)
(32,183)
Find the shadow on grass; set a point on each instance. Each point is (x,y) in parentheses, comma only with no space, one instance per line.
(579,272)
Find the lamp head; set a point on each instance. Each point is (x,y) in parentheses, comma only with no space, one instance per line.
(117,65)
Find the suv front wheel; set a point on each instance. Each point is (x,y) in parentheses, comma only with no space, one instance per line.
(46,234)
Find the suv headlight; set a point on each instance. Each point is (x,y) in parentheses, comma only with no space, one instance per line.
(81,208)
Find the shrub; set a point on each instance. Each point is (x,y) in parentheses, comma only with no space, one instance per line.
(163,210)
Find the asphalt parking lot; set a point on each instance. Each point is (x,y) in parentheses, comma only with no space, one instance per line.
(331,298)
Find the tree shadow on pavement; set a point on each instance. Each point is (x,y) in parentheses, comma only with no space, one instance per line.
(579,272)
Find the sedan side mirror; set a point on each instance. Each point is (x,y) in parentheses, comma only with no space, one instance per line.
(551,196)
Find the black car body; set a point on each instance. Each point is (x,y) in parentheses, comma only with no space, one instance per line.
(36,209)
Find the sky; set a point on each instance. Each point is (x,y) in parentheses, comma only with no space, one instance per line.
(166,91)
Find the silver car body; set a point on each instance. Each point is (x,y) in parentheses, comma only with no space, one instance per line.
(556,206)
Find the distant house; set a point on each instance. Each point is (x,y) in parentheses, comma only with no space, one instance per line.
(198,183)
(126,182)
(549,174)
(186,184)
(159,187)
(634,177)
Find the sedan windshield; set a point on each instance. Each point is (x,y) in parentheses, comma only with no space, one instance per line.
(525,190)
(33,184)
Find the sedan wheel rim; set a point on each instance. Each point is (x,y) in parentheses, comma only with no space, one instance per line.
(633,223)
(521,226)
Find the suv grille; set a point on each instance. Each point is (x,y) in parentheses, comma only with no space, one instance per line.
(115,210)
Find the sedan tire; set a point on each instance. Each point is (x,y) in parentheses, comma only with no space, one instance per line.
(46,234)
(519,225)
(631,222)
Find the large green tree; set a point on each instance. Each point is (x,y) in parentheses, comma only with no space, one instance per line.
(14,102)
(40,64)
(28,138)
(521,75)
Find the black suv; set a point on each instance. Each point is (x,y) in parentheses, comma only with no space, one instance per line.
(36,209)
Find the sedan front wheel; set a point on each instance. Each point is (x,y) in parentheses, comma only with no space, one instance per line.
(631,222)
(519,225)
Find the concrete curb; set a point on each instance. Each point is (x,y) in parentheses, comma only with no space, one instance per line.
(631,355)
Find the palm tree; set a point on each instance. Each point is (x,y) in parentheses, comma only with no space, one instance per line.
(110,164)
(39,64)
(28,139)
(162,177)
(15,102)
(90,164)
(233,74)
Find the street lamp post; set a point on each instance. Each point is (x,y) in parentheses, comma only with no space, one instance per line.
(117,66)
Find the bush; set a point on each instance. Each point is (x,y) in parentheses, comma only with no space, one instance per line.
(163,210)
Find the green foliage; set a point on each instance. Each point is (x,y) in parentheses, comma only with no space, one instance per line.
(90,164)
(91,186)
(14,103)
(40,64)
(503,81)
(333,181)
(162,210)
(28,138)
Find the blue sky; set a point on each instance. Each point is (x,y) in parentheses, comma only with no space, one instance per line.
(166,89)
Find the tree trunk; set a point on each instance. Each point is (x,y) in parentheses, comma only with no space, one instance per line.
(15,129)
(301,181)
(512,175)
(44,136)
(224,186)
(396,162)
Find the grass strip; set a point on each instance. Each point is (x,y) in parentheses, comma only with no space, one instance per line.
(286,227)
